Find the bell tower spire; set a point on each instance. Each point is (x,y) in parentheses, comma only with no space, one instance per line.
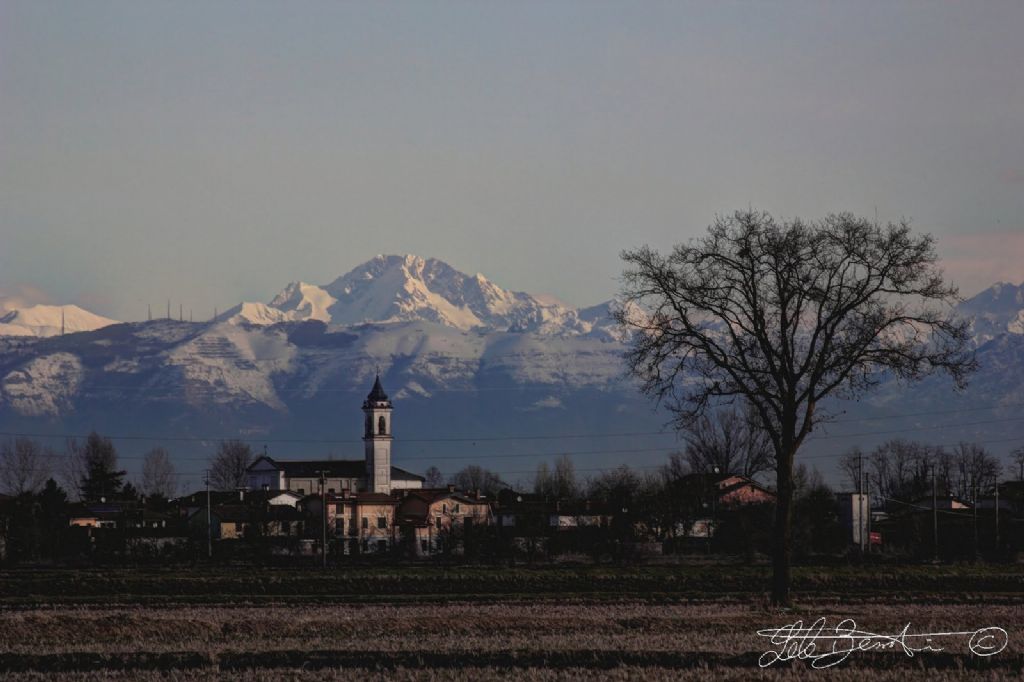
(377,438)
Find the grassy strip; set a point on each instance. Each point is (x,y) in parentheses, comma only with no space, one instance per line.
(386,583)
(390,660)
(33,601)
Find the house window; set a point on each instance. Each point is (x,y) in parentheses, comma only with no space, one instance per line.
(286,527)
(302,491)
(382,522)
(238,526)
(366,522)
(382,425)
(444,508)
(437,522)
(457,508)
(366,546)
(330,490)
(423,545)
(382,546)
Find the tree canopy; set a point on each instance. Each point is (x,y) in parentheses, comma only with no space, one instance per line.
(779,315)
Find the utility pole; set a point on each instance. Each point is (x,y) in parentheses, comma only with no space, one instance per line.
(181,312)
(209,522)
(860,502)
(323,505)
(168,309)
(997,514)
(935,517)
(975,505)
(866,496)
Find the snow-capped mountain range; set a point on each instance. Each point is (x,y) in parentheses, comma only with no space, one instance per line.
(407,288)
(464,359)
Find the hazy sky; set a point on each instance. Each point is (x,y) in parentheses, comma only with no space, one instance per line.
(214,151)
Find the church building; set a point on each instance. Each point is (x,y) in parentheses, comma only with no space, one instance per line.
(373,474)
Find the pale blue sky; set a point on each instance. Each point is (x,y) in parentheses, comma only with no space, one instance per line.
(214,151)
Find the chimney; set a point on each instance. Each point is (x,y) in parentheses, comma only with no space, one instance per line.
(241,495)
(344,493)
(476,494)
(451,487)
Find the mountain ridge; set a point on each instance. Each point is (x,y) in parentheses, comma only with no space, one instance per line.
(301,367)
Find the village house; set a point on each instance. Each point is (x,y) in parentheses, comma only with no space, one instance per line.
(441,521)
(357,523)
(246,521)
(713,494)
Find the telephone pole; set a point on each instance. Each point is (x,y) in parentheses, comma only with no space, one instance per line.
(860,502)
(975,505)
(323,505)
(935,517)
(209,522)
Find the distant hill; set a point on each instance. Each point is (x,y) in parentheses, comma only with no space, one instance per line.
(50,320)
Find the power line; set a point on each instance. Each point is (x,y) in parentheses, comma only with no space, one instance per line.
(915,428)
(474,439)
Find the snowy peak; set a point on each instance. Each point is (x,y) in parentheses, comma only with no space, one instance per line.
(997,310)
(400,288)
(50,320)
(306,301)
(404,288)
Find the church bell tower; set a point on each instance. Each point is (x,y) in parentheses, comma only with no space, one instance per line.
(377,437)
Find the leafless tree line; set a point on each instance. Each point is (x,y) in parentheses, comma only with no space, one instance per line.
(26,465)
(904,470)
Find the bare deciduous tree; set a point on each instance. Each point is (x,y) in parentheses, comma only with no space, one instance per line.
(558,484)
(158,476)
(729,441)
(976,471)
(850,465)
(781,315)
(433,478)
(24,466)
(228,468)
(1018,463)
(473,478)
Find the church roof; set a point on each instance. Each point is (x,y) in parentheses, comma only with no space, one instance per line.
(377,394)
(332,468)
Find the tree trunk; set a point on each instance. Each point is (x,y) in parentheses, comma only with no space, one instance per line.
(783,545)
